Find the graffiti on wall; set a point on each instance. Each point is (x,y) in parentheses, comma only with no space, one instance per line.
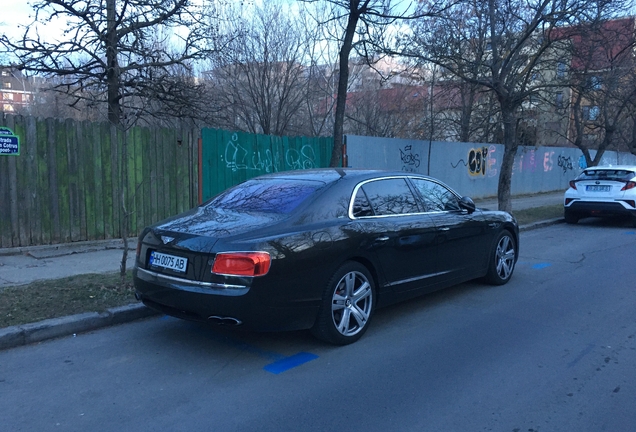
(238,158)
(477,161)
(530,160)
(527,161)
(303,159)
(481,162)
(565,163)
(410,161)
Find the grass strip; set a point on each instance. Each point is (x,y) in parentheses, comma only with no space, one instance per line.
(537,214)
(60,297)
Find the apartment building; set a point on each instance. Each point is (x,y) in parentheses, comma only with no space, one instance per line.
(16,90)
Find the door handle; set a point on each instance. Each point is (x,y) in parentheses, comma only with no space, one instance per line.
(444,229)
(382,239)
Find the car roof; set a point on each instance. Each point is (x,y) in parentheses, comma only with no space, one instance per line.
(329,175)
(613,167)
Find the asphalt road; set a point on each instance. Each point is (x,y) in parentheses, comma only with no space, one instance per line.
(553,350)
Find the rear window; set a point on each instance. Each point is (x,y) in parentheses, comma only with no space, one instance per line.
(606,174)
(266,196)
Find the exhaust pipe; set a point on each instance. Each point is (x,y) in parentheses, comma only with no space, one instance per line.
(224,320)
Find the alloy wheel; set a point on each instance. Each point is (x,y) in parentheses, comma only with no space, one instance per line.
(505,257)
(352,303)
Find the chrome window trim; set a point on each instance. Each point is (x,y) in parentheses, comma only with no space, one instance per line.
(392,177)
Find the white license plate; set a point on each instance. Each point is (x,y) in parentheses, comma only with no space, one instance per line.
(171,262)
(597,188)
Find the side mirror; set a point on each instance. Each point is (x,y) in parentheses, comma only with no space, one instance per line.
(466,203)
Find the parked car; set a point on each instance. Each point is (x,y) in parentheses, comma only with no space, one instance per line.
(601,191)
(320,250)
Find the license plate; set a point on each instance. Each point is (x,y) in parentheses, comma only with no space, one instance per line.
(597,188)
(171,262)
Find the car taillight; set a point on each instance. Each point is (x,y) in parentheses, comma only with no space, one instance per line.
(573,184)
(242,263)
(629,185)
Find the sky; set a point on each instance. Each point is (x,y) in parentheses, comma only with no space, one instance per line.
(17,13)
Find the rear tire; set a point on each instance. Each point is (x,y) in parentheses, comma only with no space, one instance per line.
(502,259)
(570,218)
(347,305)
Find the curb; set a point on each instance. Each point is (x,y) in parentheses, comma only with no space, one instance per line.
(12,337)
(541,224)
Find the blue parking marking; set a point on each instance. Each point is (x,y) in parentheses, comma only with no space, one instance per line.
(631,233)
(541,266)
(279,364)
(291,362)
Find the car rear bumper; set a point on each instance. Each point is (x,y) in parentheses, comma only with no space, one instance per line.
(600,208)
(230,305)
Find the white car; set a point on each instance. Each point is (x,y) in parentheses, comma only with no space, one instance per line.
(602,191)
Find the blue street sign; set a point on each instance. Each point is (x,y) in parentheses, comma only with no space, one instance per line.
(9,142)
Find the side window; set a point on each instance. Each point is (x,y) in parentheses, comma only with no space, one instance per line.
(361,205)
(390,197)
(436,197)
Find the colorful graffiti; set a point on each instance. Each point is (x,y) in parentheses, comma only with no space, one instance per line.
(481,162)
(477,164)
(527,161)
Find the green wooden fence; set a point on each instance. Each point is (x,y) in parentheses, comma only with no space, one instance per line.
(228,158)
(65,184)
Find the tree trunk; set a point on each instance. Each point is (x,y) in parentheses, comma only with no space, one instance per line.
(468,100)
(124,208)
(343,82)
(113,72)
(510,150)
(113,78)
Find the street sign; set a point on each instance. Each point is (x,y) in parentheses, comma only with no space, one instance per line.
(9,142)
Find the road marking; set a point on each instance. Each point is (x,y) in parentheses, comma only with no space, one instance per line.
(541,266)
(290,362)
(279,364)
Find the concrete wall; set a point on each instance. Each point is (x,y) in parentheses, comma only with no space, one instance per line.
(473,169)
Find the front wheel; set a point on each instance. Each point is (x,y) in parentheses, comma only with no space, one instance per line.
(502,260)
(347,305)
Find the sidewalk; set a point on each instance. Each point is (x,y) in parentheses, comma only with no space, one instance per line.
(19,266)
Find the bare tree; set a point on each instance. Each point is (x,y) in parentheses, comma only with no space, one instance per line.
(602,79)
(116,52)
(510,42)
(259,78)
(386,112)
(366,26)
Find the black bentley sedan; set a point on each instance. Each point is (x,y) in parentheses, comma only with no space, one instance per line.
(320,250)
